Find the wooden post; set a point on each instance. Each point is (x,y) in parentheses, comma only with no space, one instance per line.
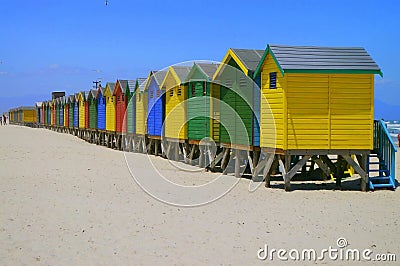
(225,160)
(339,172)
(237,162)
(286,170)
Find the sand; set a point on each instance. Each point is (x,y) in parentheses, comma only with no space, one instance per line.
(68,202)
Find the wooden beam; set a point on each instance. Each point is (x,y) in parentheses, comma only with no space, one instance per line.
(356,167)
(267,168)
(297,167)
(325,169)
(217,159)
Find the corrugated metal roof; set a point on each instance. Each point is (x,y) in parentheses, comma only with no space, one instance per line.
(182,71)
(323,58)
(208,69)
(249,57)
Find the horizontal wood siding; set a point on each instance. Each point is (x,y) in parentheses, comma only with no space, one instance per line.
(175,113)
(141,113)
(110,113)
(81,113)
(352,114)
(307,111)
(273,112)
(198,110)
(215,111)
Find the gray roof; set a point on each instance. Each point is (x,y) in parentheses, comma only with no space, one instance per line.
(142,83)
(111,85)
(182,71)
(159,76)
(249,57)
(323,58)
(131,85)
(208,69)
(38,104)
(123,83)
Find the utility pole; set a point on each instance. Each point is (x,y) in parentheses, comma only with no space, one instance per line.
(97,83)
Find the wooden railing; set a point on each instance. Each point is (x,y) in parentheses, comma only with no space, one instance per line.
(384,147)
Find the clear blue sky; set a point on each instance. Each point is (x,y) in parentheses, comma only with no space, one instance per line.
(51,45)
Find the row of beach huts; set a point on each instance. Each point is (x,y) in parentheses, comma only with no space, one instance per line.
(293,108)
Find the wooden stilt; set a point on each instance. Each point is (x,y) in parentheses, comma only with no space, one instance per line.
(225,160)
(237,162)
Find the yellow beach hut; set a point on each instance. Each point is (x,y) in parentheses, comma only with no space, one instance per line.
(322,101)
(81,106)
(110,106)
(175,111)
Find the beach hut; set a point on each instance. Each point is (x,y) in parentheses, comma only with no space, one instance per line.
(175,95)
(110,106)
(101,109)
(87,109)
(57,106)
(141,99)
(131,106)
(202,112)
(44,113)
(322,101)
(61,111)
(66,112)
(202,116)
(156,103)
(48,113)
(239,93)
(110,114)
(71,109)
(121,97)
(82,111)
(92,101)
(76,111)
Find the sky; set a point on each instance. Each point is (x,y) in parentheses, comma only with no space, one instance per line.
(64,45)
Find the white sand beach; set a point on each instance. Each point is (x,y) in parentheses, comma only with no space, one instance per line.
(67,202)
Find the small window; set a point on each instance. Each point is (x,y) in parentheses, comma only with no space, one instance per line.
(171,92)
(193,89)
(272,80)
(158,93)
(179,92)
(151,94)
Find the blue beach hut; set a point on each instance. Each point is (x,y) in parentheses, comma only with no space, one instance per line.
(101,109)
(156,103)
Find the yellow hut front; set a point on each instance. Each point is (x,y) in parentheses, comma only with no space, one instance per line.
(81,106)
(321,98)
(175,111)
(110,106)
(141,107)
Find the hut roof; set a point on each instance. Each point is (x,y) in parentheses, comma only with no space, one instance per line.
(182,71)
(318,59)
(249,57)
(141,83)
(208,69)
(131,85)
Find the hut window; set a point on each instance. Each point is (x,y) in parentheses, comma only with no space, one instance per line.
(193,90)
(272,80)
(179,91)
(158,93)
(171,92)
(151,94)
(123,97)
